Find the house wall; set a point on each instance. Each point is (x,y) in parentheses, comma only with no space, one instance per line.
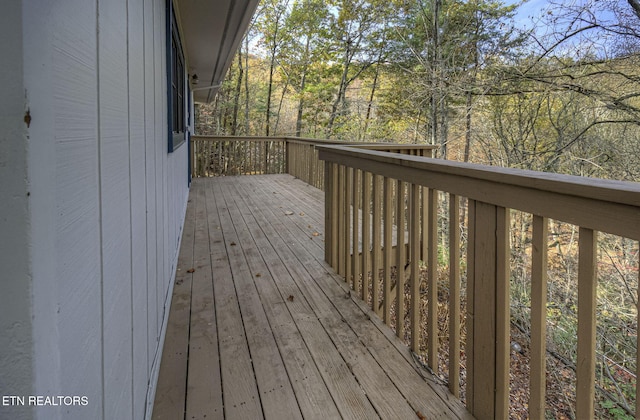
(102,224)
(15,274)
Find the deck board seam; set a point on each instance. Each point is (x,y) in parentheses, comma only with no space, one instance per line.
(357,339)
(242,316)
(291,274)
(316,314)
(271,327)
(341,283)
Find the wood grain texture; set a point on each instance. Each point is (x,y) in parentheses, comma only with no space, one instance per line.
(538,318)
(471,306)
(335,358)
(401,258)
(376,264)
(203,380)
(414,261)
(586,358)
(581,201)
(454,294)
(503,312)
(276,394)
(432,270)
(484,315)
(387,250)
(350,246)
(240,390)
(356,261)
(366,234)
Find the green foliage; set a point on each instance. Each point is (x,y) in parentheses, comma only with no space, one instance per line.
(614,411)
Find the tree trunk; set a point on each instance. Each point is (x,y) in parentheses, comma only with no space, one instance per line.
(284,92)
(303,83)
(236,99)
(246,87)
(272,66)
(341,92)
(373,92)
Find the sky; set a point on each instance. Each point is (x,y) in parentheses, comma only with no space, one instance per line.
(528,12)
(591,42)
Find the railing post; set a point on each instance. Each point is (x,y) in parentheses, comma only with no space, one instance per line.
(587,285)
(287,154)
(342,223)
(376,243)
(487,310)
(538,345)
(332,215)
(401,258)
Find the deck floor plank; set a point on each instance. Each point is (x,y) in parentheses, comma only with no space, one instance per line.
(276,393)
(313,396)
(239,389)
(204,386)
(351,400)
(171,388)
(362,337)
(273,332)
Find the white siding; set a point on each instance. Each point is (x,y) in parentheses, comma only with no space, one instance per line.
(137,147)
(15,274)
(107,204)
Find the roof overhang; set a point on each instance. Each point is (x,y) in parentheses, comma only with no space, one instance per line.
(212,31)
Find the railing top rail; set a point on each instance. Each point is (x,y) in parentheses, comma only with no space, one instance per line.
(604,205)
(364,145)
(394,146)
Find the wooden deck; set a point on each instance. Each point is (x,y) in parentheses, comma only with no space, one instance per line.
(261,327)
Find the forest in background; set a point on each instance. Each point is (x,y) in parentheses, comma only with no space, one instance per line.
(558,95)
(561,94)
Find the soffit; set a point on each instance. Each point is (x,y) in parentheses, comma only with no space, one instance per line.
(211,33)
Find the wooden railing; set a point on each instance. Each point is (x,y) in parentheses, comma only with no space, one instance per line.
(375,200)
(227,156)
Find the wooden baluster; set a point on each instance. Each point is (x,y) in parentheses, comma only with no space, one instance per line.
(486,311)
(454,295)
(469,320)
(342,231)
(377,242)
(424,240)
(432,267)
(414,261)
(503,312)
(349,223)
(331,215)
(484,316)
(400,257)
(311,177)
(387,249)
(355,262)
(587,284)
(366,233)
(538,318)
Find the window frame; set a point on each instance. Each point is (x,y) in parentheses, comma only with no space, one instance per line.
(177,92)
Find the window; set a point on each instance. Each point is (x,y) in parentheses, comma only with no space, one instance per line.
(176,81)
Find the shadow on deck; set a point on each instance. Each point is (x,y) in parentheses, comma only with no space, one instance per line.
(261,327)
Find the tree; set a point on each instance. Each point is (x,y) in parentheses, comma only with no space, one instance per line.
(450,42)
(271,24)
(355,27)
(304,46)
